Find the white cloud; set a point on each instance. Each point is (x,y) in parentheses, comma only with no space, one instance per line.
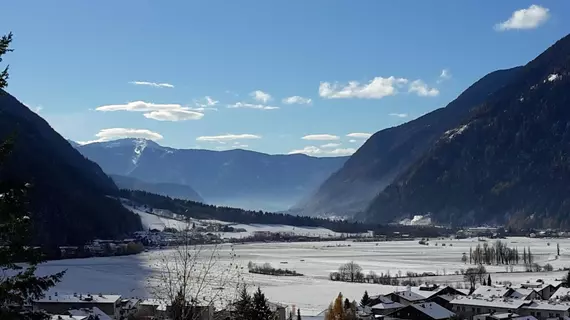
(161,112)
(316,151)
(353,141)
(152,84)
(377,88)
(228,137)
(261,96)
(330,145)
(121,133)
(529,18)
(243,105)
(321,137)
(297,100)
(421,89)
(359,135)
(399,115)
(444,75)
(173,115)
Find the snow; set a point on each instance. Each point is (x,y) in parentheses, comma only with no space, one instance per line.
(553,77)
(455,132)
(130,275)
(417,220)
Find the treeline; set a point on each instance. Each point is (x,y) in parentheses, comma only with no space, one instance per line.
(198,210)
(498,254)
(267,269)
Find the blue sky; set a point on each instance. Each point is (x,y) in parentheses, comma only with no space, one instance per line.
(218,74)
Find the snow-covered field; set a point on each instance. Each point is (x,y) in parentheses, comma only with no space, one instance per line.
(152,221)
(313,292)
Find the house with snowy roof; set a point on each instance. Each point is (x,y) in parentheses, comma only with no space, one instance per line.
(421,311)
(384,305)
(405,298)
(61,304)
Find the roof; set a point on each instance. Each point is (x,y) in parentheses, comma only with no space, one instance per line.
(433,310)
(521,293)
(497,302)
(539,305)
(79,298)
(67,317)
(561,292)
(86,312)
(504,315)
(387,305)
(409,295)
(490,292)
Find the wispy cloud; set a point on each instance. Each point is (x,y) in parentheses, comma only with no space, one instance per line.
(297,100)
(529,18)
(205,104)
(37,109)
(121,133)
(244,105)
(228,137)
(399,115)
(377,88)
(321,137)
(316,151)
(261,96)
(156,111)
(152,84)
(444,75)
(359,135)
(330,145)
(421,89)
(353,141)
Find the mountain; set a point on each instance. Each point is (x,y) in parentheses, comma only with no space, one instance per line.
(172,190)
(391,151)
(69,199)
(509,162)
(236,178)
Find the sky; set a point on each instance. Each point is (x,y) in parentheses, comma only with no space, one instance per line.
(315,77)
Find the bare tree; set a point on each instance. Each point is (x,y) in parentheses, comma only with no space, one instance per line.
(350,271)
(196,278)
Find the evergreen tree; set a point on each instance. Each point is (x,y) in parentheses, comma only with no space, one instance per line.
(261,310)
(346,304)
(298,314)
(489,282)
(244,306)
(558,249)
(365,299)
(19,285)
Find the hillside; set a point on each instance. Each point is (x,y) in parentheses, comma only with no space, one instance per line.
(68,200)
(237,178)
(173,190)
(508,162)
(391,151)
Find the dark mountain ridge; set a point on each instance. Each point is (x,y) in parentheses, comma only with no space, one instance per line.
(69,199)
(237,178)
(390,151)
(509,162)
(177,191)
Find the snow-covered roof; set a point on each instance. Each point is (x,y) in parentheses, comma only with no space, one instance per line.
(499,316)
(409,295)
(80,298)
(387,305)
(434,310)
(86,312)
(539,305)
(67,317)
(561,292)
(490,292)
(496,303)
(521,293)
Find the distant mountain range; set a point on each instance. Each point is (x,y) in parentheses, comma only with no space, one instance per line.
(237,178)
(172,190)
(506,162)
(69,200)
(391,151)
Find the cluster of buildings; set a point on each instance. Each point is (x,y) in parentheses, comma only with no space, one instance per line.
(535,300)
(115,307)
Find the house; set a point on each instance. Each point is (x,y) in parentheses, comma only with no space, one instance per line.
(545,310)
(525,294)
(61,304)
(468,307)
(502,316)
(278,309)
(422,311)
(490,292)
(67,317)
(545,290)
(155,308)
(90,313)
(561,294)
(405,298)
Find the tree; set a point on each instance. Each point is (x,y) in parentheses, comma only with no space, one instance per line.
(299,314)
(193,276)
(261,310)
(19,285)
(244,305)
(350,271)
(489,282)
(365,299)
(470,276)
(336,309)
(558,249)
(464,258)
